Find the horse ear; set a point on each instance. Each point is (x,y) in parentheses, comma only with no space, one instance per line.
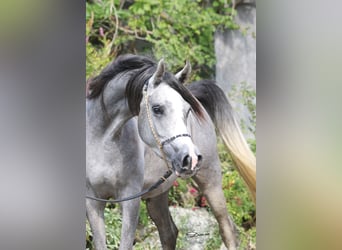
(184,74)
(158,75)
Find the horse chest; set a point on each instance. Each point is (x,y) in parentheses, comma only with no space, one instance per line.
(111,163)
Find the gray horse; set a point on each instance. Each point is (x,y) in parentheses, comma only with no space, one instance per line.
(141,121)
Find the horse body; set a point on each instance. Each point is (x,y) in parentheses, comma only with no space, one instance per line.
(138,117)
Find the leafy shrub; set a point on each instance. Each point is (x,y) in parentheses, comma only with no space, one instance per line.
(172,29)
(113,229)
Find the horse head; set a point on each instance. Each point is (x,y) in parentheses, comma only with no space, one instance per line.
(162,120)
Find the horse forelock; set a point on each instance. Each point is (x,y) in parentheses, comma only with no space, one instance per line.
(135,86)
(185,93)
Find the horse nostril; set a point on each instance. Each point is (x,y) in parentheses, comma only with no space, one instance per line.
(199,159)
(186,161)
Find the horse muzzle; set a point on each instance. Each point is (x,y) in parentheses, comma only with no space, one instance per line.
(187,166)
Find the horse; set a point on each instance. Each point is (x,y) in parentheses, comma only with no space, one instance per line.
(141,122)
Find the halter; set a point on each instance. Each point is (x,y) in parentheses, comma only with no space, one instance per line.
(160,144)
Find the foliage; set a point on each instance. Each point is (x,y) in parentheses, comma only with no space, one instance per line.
(172,29)
(238,199)
(215,241)
(113,228)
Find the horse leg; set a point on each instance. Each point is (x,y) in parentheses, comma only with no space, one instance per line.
(130,216)
(95,215)
(210,182)
(159,212)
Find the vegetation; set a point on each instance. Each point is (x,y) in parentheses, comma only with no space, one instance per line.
(175,30)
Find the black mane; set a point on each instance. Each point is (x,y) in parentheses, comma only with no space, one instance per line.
(141,70)
(122,64)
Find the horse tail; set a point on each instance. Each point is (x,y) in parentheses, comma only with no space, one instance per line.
(221,113)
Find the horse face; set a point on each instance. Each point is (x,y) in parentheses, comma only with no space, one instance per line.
(168,113)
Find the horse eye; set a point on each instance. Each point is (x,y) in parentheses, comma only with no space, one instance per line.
(158,110)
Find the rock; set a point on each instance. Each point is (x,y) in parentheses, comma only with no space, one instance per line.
(196,227)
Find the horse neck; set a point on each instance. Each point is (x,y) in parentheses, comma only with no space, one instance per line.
(107,122)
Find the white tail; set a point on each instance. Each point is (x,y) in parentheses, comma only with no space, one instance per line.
(218,107)
(241,154)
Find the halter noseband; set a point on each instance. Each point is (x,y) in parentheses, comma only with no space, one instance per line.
(173,138)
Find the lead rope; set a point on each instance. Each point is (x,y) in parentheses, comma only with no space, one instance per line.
(160,146)
(154,186)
